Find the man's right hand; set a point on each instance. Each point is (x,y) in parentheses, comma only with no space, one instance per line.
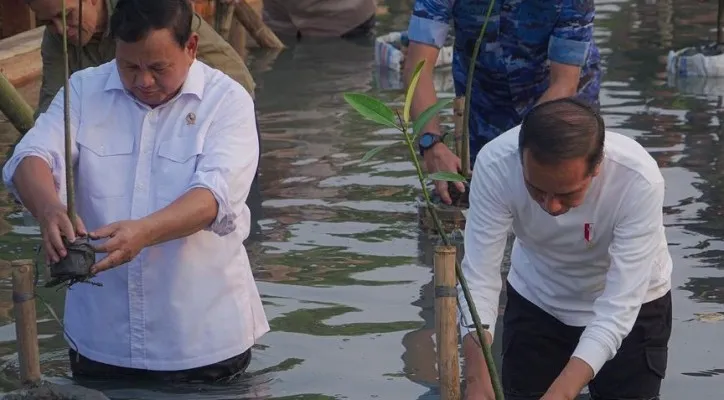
(441,158)
(54,225)
(479,391)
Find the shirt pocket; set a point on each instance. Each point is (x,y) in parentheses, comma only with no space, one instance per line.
(106,166)
(176,165)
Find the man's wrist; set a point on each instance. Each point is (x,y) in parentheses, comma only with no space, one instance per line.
(427,141)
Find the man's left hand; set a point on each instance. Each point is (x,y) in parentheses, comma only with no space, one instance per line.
(555,396)
(125,240)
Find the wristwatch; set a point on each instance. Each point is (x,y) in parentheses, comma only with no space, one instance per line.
(427,140)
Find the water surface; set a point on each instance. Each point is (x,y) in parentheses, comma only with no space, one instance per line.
(345,273)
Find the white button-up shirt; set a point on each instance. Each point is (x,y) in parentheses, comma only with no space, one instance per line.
(184,303)
(593,266)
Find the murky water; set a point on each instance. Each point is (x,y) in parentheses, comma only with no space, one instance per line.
(345,274)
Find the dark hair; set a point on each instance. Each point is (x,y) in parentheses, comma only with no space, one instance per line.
(563,129)
(133,20)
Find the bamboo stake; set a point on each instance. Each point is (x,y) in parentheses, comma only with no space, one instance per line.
(15,108)
(70,184)
(253,23)
(446,335)
(458,114)
(26,326)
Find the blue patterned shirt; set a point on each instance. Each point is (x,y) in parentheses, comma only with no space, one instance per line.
(512,70)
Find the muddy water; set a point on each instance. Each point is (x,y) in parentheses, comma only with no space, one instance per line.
(345,274)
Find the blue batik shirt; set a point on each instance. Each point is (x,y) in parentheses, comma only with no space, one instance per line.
(512,70)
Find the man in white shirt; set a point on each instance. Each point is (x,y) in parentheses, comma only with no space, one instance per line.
(588,291)
(164,153)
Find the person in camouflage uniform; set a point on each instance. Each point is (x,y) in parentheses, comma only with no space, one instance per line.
(532,51)
(97,47)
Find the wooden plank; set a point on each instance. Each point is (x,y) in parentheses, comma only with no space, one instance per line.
(20,59)
(22,20)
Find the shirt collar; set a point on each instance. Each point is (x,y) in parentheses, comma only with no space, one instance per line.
(194,84)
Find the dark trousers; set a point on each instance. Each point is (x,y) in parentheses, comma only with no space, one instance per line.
(83,367)
(536,347)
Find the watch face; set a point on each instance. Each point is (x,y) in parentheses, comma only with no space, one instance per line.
(426,140)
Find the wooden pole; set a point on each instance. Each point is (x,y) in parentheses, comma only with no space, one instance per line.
(17,18)
(15,108)
(458,112)
(26,326)
(258,30)
(719,20)
(446,323)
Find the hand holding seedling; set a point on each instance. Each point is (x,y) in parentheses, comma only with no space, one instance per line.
(125,240)
(54,225)
(441,159)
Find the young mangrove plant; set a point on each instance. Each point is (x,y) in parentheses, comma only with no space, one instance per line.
(377,111)
(75,266)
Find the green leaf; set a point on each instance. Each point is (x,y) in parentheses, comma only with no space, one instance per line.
(425,116)
(376,151)
(372,109)
(447,176)
(411,91)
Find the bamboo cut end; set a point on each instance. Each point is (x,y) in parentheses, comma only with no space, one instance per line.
(21,263)
(445,250)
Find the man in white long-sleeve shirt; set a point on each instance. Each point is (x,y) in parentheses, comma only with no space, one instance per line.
(588,291)
(164,150)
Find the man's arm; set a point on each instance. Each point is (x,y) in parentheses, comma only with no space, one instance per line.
(569,47)
(218,53)
(486,231)
(35,173)
(427,31)
(216,195)
(51,51)
(635,252)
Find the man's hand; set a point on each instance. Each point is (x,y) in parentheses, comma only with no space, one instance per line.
(441,158)
(126,240)
(479,386)
(54,225)
(479,391)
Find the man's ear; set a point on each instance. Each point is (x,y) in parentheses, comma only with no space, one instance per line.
(192,45)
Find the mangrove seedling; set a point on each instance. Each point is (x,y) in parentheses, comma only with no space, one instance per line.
(377,111)
(75,267)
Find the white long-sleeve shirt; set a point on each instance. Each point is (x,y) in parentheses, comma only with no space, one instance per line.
(599,283)
(184,303)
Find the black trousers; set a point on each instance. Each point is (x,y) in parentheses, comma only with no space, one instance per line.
(536,348)
(86,368)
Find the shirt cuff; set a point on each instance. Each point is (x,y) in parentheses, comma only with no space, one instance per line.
(427,31)
(12,165)
(225,221)
(566,51)
(594,353)
(468,326)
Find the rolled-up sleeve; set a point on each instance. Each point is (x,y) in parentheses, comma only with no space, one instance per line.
(46,140)
(229,159)
(430,22)
(486,231)
(636,250)
(572,36)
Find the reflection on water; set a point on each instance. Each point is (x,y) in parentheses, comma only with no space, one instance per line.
(344,272)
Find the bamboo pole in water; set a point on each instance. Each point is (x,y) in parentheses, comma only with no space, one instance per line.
(15,108)
(256,27)
(719,21)
(446,334)
(26,327)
